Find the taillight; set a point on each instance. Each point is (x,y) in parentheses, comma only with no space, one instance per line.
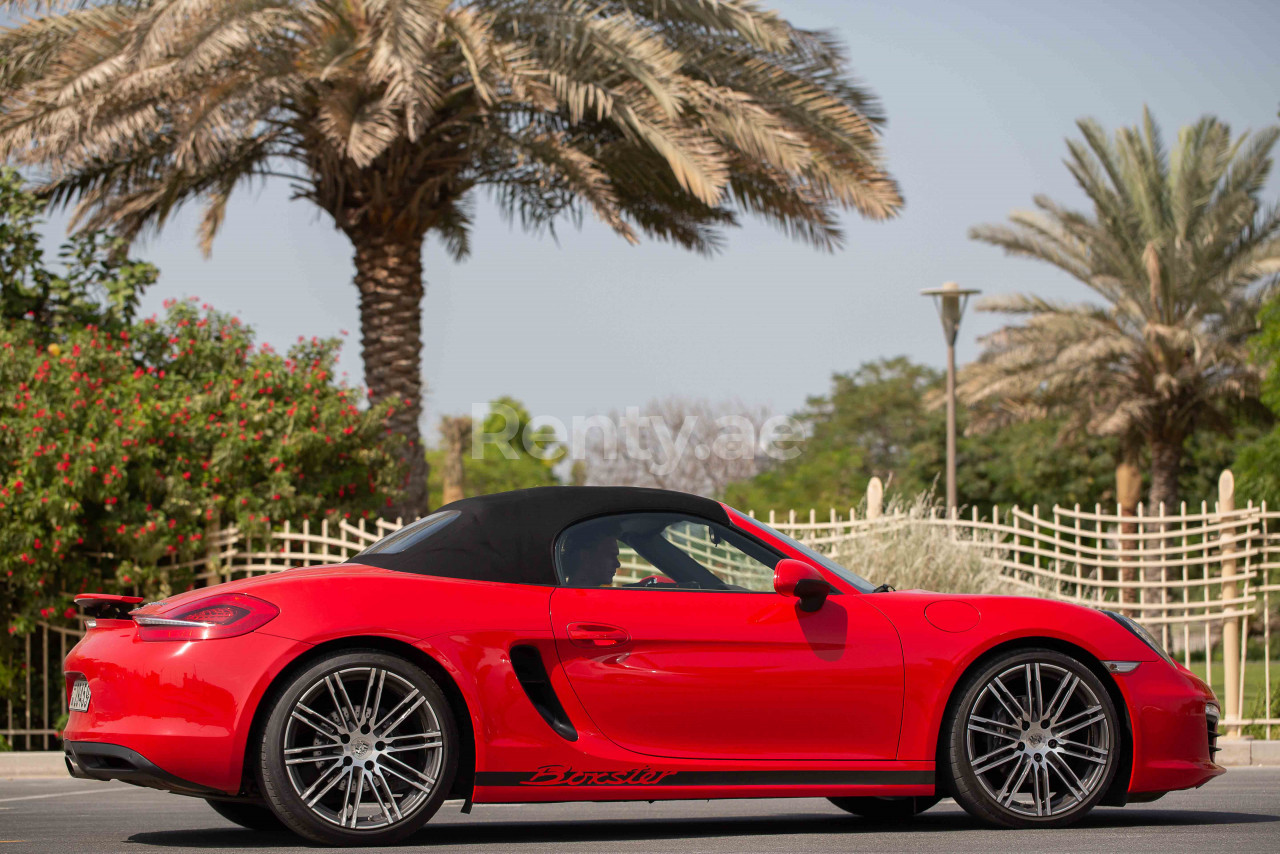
(225,616)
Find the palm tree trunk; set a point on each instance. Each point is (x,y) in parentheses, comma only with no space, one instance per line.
(1128,496)
(1166,466)
(456,433)
(389,278)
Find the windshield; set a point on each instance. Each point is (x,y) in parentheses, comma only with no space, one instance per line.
(859,583)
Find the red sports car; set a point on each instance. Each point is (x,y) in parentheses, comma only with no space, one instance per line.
(593,644)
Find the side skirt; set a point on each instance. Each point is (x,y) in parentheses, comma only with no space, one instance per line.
(565,783)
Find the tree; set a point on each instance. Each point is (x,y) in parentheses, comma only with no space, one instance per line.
(474,460)
(1180,248)
(97,284)
(134,443)
(689,445)
(878,421)
(864,427)
(132,438)
(455,435)
(1257,464)
(668,118)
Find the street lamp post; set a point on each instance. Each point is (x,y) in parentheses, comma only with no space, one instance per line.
(950,300)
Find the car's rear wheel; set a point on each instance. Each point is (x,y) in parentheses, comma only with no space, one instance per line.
(359,749)
(886,809)
(246,814)
(1034,739)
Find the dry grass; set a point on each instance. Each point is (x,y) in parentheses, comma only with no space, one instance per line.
(909,551)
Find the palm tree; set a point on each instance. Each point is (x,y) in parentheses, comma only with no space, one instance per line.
(1181,251)
(666,118)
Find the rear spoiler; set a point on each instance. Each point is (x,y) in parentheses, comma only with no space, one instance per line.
(106,606)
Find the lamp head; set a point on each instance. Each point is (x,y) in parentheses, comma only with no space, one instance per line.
(951,301)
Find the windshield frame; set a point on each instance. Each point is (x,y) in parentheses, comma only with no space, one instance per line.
(745,522)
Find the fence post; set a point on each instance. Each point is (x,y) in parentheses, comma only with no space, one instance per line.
(875,498)
(1230,625)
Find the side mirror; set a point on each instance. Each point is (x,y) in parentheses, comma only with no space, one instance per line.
(799,579)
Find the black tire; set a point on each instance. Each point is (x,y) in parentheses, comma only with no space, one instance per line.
(246,814)
(1000,741)
(358,736)
(886,809)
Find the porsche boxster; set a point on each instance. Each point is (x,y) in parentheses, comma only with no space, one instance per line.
(592,644)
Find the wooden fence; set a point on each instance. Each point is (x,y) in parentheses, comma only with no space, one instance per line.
(1200,579)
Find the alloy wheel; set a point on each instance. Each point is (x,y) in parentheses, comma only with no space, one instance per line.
(363,748)
(1038,740)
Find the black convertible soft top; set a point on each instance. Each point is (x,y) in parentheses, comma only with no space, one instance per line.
(510,536)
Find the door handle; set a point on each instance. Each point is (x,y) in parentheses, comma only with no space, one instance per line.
(596,635)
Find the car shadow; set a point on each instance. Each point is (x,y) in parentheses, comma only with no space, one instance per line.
(480,832)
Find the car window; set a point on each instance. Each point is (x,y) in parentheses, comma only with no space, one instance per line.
(412,534)
(662,551)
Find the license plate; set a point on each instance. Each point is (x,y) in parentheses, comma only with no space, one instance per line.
(80,696)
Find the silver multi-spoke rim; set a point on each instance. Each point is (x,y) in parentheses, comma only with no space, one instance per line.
(1038,740)
(363,748)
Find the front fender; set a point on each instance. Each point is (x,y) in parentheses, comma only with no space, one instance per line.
(936,659)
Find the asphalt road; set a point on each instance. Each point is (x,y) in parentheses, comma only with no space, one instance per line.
(1239,812)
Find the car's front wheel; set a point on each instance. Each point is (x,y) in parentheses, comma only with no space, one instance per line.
(1034,740)
(359,749)
(886,809)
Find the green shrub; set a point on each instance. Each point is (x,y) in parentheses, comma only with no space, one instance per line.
(123,442)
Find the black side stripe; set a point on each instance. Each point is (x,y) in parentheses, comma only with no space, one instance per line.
(570,778)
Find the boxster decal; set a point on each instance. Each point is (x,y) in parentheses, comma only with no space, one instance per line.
(564,775)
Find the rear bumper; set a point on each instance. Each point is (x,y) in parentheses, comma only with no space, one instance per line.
(91,760)
(170,715)
(1172,744)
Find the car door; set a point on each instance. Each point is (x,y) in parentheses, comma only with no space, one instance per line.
(665,668)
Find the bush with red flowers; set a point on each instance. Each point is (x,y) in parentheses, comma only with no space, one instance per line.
(124,443)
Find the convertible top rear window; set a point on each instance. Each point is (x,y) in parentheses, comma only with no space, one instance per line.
(412,534)
(508,537)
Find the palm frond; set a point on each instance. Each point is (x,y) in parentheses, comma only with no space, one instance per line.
(1181,250)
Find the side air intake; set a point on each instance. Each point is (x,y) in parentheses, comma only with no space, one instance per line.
(532,673)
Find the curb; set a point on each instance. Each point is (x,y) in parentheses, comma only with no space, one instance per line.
(29,765)
(1235,752)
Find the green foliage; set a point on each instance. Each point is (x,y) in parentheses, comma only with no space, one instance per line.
(98,283)
(882,420)
(877,421)
(494,471)
(1178,251)
(1257,465)
(123,442)
(865,427)
(1029,464)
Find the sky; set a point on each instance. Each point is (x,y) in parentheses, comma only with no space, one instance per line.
(980,97)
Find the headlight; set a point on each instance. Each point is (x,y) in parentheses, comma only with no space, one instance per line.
(1142,634)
